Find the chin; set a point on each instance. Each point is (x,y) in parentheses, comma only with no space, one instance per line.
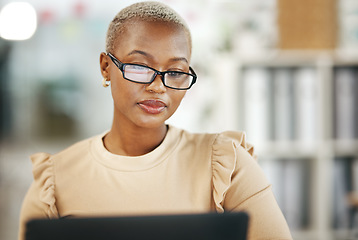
(150,123)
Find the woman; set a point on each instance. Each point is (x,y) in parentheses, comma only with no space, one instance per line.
(143,166)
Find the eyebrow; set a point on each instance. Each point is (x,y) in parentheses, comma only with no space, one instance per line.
(179,59)
(140,52)
(175,59)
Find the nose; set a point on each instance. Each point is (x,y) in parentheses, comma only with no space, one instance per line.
(157,85)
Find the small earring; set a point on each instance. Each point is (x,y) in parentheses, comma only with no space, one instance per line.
(105,82)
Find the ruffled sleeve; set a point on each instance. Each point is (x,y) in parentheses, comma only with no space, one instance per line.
(225,153)
(45,180)
(40,201)
(239,184)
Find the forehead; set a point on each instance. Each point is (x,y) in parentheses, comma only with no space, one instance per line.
(154,37)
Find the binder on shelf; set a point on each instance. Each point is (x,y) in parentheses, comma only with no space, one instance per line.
(283,104)
(305,104)
(274,169)
(346,103)
(342,180)
(257,104)
(355,175)
(290,180)
(296,193)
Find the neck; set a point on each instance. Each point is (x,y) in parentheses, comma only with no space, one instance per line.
(135,141)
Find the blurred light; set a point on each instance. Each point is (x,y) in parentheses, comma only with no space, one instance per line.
(18,21)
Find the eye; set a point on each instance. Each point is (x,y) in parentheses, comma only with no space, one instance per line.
(137,69)
(175,74)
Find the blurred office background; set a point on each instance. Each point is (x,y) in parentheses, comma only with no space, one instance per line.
(284,71)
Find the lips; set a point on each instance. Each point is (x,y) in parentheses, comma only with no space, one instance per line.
(152,106)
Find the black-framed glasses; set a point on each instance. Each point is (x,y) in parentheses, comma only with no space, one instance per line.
(143,74)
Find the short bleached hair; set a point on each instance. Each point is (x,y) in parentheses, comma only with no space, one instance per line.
(145,11)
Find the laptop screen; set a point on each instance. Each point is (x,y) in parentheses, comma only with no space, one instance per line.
(211,226)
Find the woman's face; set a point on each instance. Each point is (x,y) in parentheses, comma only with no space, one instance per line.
(159,45)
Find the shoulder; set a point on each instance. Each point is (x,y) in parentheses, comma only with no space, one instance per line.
(232,142)
(221,144)
(191,138)
(44,168)
(43,163)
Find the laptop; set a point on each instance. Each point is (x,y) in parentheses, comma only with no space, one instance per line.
(208,226)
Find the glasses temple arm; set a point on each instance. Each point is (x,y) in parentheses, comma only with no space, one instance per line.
(116,61)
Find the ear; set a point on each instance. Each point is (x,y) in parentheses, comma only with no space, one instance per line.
(104,65)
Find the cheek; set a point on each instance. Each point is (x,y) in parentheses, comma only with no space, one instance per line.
(122,91)
(177,97)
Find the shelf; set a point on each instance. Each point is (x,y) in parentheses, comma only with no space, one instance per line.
(278,157)
(285,58)
(333,235)
(345,234)
(292,58)
(297,149)
(347,147)
(305,235)
(288,149)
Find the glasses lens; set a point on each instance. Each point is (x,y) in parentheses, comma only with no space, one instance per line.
(138,73)
(178,80)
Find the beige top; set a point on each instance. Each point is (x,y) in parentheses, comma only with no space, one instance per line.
(187,173)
